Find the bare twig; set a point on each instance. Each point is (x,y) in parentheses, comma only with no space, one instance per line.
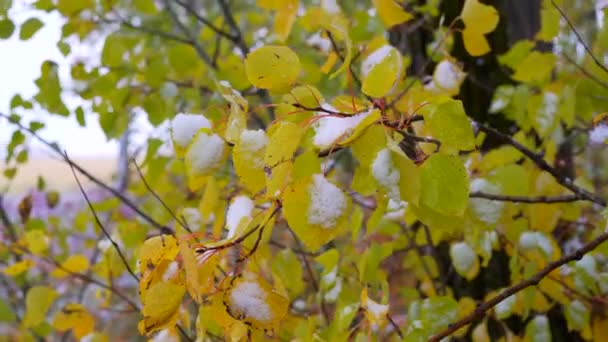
(10,228)
(543,165)
(482,308)
(525,199)
(395,326)
(205,21)
(579,37)
(88,175)
(103,229)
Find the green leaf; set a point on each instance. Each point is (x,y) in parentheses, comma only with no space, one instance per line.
(577,315)
(70,7)
(549,27)
(6,313)
(7,27)
(80,117)
(29,28)
(448,123)
(381,70)
(444,184)
(37,302)
(538,329)
(536,67)
(64,48)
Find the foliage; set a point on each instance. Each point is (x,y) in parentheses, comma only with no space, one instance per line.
(313,180)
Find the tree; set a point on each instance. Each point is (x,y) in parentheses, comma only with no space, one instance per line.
(345,170)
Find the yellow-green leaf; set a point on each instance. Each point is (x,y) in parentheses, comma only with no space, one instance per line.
(75,264)
(272,67)
(444,184)
(37,302)
(248,158)
(391,13)
(381,71)
(161,307)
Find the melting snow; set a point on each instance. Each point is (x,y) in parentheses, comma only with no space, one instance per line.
(374,58)
(185,126)
(447,75)
(254,141)
(327,202)
(463,256)
(377,310)
(599,134)
(240,208)
(386,174)
(205,152)
(488,211)
(330,129)
(530,240)
(250,299)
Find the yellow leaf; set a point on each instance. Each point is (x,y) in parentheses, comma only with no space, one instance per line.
(237,119)
(253,300)
(191,267)
(381,71)
(272,67)
(479,17)
(75,264)
(284,140)
(37,241)
(75,317)
(210,198)
(600,329)
(332,58)
(475,43)
(18,267)
(391,13)
(284,19)
(37,302)
(375,313)
(155,255)
(338,26)
(161,307)
(248,159)
(279,178)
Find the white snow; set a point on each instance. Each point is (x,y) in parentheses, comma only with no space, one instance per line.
(531,240)
(250,299)
(376,309)
(171,271)
(333,294)
(193,218)
(254,140)
(330,6)
(321,43)
(599,134)
(330,129)
(185,126)
(463,256)
(504,308)
(386,174)
(487,211)
(327,202)
(239,209)
(374,58)
(447,76)
(205,152)
(589,264)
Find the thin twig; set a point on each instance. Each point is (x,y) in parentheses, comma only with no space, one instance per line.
(543,165)
(88,175)
(481,309)
(160,200)
(205,21)
(10,228)
(395,326)
(100,225)
(586,72)
(525,199)
(579,37)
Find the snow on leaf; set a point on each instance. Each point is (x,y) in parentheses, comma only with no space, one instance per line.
(599,134)
(387,174)
(374,311)
(447,78)
(332,130)
(487,211)
(184,128)
(248,158)
(381,71)
(204,155)
(253,300)
(238,215)
(327,202)
(161,307)
(464,259)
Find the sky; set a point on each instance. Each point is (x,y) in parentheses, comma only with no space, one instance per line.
(20,65)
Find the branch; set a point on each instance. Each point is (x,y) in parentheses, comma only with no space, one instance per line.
(10,228)
(205,21)
(103,229)
(532,281)
(526,199)
(586,72)
(543,165)
(88,175)
(579,37)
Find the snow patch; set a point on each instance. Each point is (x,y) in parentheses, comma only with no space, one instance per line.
(463,256)
(374,58)
(447,76)
(254,142)
(321,43)
(185,126)
(250,299)
(171,271)
(386,174)
(205,152)
(327,202)
(531,240)
(487,211)
(239,209)
(330,129)
(599,134)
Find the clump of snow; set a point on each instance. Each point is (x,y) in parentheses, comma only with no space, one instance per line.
(327,202)
(463,256)
(193,218)
(504,308)
(250,299)
(487,211)
(589,264)
(185,126)
(239,209)
(321,43)
(599,134)
(253,142)
(374,58)
(447,76)
(205,152)
(531,240)
(376,309)
(330,129)
(386,174)
(395,210)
